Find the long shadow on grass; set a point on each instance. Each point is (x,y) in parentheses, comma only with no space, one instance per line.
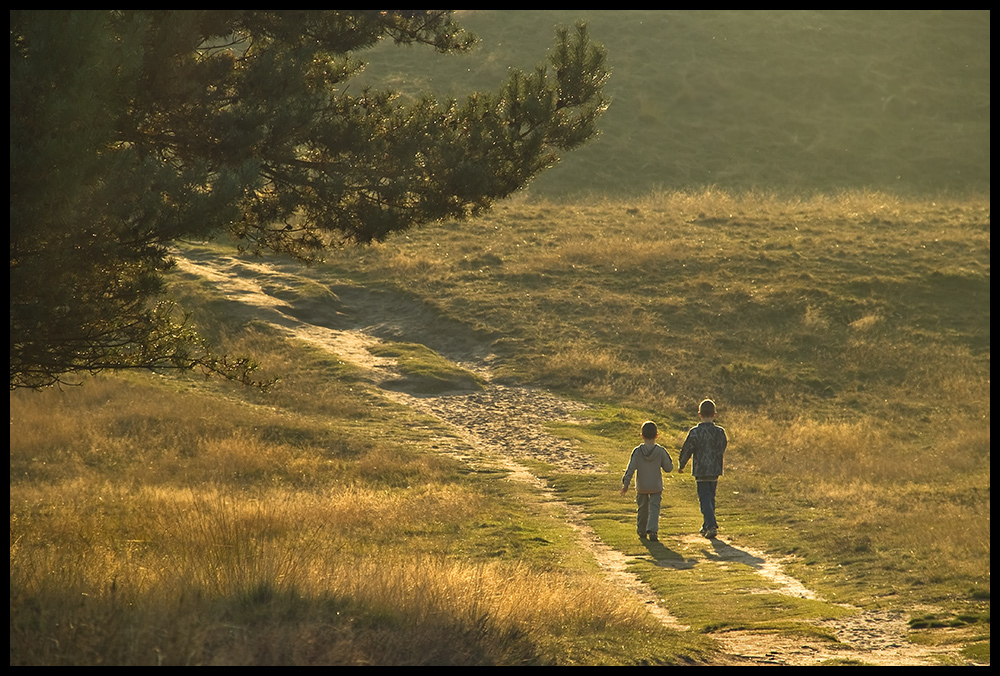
(664,557)
(726,552)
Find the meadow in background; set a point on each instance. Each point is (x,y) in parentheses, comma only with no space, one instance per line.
(787,211)
(796,101)
(848,336)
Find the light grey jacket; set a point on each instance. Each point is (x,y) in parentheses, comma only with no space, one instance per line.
(646,463)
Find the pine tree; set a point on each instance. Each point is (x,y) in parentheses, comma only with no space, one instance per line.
(131,130)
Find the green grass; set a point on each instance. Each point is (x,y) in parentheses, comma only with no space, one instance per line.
(787,211)
(178,521)
(978,652)
(846,337)
(425,371)
(796,101)
(701,586)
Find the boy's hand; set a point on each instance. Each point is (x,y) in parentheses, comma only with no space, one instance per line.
(623,490)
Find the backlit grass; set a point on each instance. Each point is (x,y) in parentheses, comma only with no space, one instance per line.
(425,371)
(794,231)
(166,521)
(845,337)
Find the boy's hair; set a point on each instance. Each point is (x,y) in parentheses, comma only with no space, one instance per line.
(706,409)
(649,430)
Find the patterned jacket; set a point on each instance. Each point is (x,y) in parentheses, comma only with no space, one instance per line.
(706,444)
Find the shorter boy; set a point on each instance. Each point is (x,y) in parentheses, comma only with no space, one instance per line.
(706,444)
(646,461)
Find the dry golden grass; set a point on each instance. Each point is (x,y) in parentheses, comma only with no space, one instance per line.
(172,525)
(847,332)
(178,521)
(846,337)
(112,575)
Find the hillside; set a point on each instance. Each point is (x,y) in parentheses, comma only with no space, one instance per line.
(788,211)
(788,100)
(451,417)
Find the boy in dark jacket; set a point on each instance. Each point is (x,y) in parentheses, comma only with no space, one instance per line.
(705,444)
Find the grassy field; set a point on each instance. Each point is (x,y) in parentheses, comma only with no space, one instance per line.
(846,340)
(788,212)
(847,337)
(157,521)
(797,101)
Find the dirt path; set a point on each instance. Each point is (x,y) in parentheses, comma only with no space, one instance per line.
(507,425)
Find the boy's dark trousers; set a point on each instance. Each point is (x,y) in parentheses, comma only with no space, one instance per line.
(706,498)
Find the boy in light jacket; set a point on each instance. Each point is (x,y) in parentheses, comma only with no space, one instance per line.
(647,459)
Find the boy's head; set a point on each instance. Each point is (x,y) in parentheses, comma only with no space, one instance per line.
(707,409)
(649,431)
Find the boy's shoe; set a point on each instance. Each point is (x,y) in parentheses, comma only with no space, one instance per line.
(642,535)
(652,536)
(711,533)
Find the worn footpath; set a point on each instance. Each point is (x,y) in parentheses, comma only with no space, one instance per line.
(507,425)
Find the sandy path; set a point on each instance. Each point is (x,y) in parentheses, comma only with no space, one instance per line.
(507,425)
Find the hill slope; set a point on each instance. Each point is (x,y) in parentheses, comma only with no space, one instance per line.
(787,100)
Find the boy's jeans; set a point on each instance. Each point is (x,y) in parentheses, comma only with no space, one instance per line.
(706,497)
(647,519)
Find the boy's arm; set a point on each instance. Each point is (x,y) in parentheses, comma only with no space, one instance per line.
(687,450)
(629,471)
(668,463)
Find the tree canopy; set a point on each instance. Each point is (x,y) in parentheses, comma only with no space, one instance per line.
(133,130)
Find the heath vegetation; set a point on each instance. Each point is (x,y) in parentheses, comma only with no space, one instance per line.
(807,245)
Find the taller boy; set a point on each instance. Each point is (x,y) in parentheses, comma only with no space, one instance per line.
(706,444)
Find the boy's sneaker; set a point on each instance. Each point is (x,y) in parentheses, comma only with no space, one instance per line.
(652,536)
(642,535)
(711,533)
